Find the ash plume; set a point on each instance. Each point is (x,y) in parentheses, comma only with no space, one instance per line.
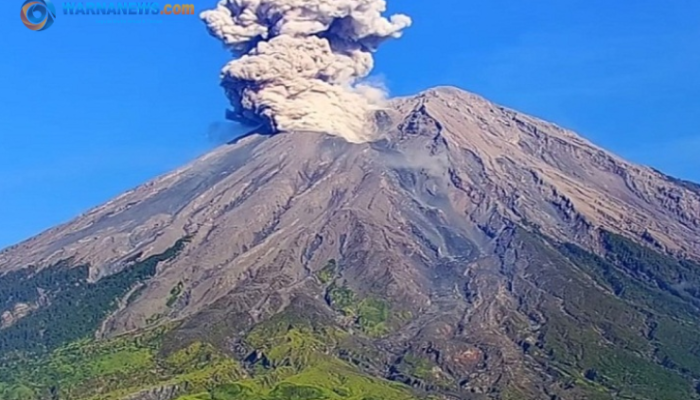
(299,64)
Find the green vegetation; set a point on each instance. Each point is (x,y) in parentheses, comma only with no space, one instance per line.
(678,346)
(621,325)
(418,367)
(296,362)
(371,315)
(342,299)
(328,272)
(326,382)
(175,293)
(26,285)
(111,369)
(678,277)
(74,306)
(641,294)
(639,341)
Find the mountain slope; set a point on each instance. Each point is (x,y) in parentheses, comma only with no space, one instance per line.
(472,252)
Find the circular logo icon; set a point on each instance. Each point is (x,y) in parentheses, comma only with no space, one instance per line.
(38,15)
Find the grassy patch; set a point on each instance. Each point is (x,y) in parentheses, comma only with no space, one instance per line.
(679,346)
(328,272)
(109,370)
(418,367)
(297,351)
(342,299)
(370,315)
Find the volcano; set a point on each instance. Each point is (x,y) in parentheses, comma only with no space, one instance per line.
(470,252)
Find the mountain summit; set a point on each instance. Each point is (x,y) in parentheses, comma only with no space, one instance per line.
(469,252)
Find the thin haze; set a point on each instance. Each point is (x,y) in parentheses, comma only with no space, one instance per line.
(300,64)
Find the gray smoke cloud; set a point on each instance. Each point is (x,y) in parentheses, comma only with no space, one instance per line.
(300,65)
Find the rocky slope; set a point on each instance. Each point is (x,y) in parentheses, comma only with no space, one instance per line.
(473,251)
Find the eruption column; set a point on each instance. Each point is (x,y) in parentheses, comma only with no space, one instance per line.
(299,64)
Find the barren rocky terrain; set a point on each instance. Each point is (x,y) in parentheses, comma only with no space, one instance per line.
(471,251)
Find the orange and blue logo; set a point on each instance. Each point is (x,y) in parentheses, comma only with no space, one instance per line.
(38,15)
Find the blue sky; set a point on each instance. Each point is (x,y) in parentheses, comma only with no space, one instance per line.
(91,109)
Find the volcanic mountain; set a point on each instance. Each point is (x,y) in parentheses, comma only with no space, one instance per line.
(470,252)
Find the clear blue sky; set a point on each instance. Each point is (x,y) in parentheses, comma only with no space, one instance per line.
(88,110)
